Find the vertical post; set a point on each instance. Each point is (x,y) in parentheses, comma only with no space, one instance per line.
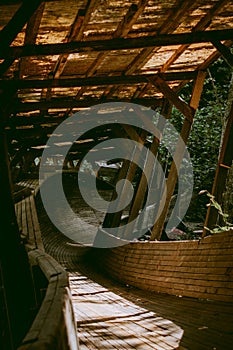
(127,171)
(15,273)
(224,164)
(148,169)
(173,173)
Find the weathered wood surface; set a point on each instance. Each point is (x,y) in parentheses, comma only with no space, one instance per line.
(54,325)
(118,316)
(28,222)
(201,269)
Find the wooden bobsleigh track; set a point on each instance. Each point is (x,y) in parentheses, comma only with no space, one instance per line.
(111,315)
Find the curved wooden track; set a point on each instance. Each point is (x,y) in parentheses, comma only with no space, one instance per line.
(111,315)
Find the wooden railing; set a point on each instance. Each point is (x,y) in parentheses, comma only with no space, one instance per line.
(54,326)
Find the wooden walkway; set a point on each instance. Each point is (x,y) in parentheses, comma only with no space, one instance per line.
(114,316)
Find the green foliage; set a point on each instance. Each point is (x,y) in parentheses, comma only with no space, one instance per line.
(213,203)
(205,137)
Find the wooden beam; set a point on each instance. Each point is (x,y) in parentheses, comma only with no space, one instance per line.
(93,81)
(117,44)
(31,34)
(225,52)
(72,103)
(197,90)
(76,34)
(138,200)
(224,164)
(17,22)
(5,65)
(178,156)
(135,10)
(183,107)
(127,172)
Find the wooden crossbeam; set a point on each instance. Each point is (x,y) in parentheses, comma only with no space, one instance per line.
(93,81)
(117,44)
(225,52)
(183,107)
(59,103)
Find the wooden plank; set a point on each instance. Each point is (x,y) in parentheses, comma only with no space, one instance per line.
(30,225)
(197,90)
(183,107)
(36,225)
(117,44)
(148,169)
(178,156)
(213,57)
(134,11)
(14,26)
(225,52)
(24,219)
(5,65)
(94,81)
(31,34)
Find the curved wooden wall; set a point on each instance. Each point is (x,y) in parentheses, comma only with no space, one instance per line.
(200,269)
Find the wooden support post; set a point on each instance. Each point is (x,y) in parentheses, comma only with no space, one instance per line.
(127,172)
(15,273)
(184,108)
(225,52)
(138,200)
(174,170)
(224,164)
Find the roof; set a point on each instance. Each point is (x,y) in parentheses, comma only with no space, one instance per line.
(62,56)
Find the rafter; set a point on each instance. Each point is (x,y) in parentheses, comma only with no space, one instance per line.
(76,33)
(17,22)
(31,34)
(14,26)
